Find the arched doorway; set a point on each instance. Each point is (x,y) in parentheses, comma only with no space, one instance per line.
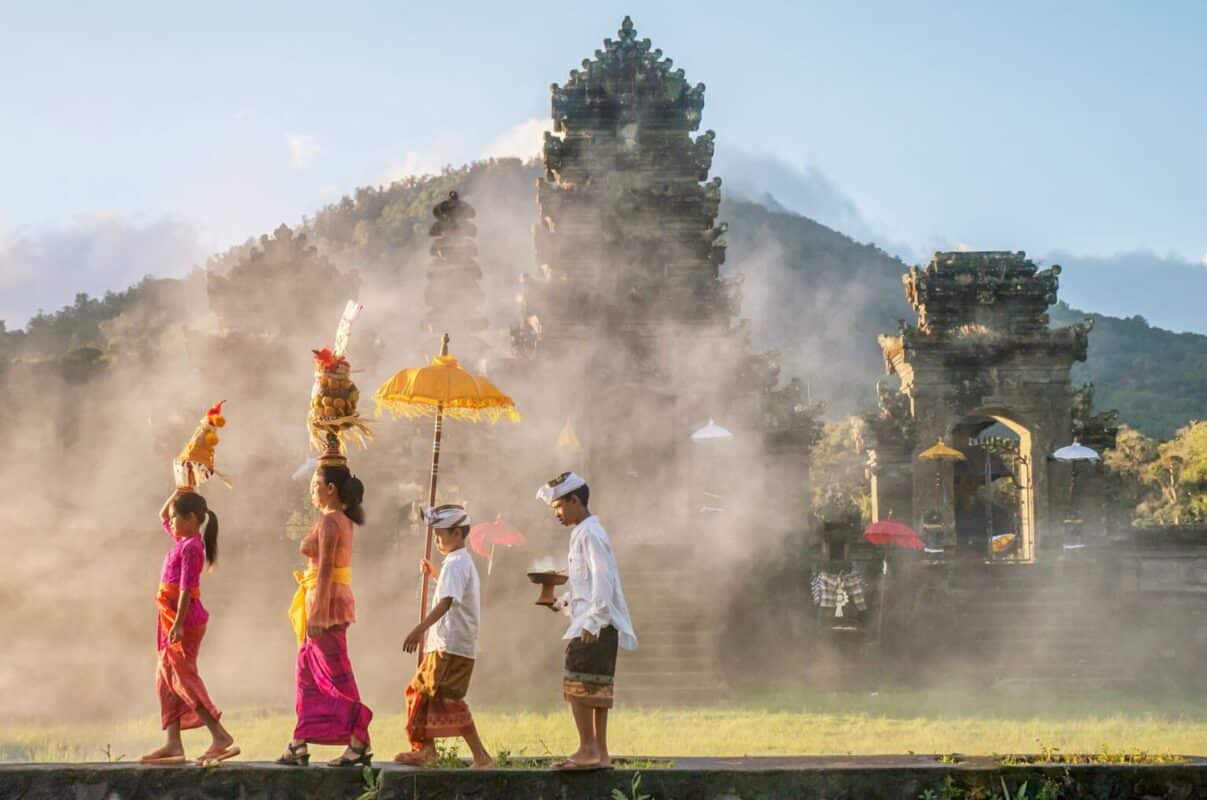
(993,489)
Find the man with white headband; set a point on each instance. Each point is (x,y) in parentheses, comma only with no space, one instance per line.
(599,621)
(436,707)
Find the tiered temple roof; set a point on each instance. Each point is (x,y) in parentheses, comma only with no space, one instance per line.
(999,290)
(627,218)
(453,297)
(982,306)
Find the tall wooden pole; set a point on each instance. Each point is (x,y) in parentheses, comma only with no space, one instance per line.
(431,498)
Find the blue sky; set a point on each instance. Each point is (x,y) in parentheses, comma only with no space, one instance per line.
(1075,128)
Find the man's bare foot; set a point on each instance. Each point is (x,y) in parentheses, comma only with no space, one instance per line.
(605,761)
(423,757)
(489,763)
(579,759)
(219,744)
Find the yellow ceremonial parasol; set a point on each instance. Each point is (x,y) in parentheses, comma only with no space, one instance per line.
(442,389)
(940,453)
(567,440)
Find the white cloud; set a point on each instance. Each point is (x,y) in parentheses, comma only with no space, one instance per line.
(412,164)
(1203,260)
(523,141)
(302,148)
(963,247)
(45,267)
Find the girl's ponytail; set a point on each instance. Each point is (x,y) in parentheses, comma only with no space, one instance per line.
(210,536)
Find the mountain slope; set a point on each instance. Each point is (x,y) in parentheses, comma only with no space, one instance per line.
(812,293)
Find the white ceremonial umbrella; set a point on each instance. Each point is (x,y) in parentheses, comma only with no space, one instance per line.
(307,467)
(1076,452)
(711,431)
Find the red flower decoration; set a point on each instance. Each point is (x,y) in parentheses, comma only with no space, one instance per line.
(328,360)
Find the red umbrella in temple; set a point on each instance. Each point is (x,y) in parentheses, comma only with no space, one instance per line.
(484,536)
(891,533)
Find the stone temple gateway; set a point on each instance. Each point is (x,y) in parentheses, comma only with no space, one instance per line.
(981,354)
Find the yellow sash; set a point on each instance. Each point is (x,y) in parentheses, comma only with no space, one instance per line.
(306,581)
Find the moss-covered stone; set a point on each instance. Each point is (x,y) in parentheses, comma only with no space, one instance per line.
(865,778)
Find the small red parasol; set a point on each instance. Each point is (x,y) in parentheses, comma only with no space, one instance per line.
(485,535)
(891,533)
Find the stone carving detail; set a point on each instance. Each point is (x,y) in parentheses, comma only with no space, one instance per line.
(1095,430)
(999,291)
(891,425)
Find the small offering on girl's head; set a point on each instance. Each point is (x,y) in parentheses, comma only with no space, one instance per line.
(195,464)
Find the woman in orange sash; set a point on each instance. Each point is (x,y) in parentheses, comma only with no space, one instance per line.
(183,700)
(329,710)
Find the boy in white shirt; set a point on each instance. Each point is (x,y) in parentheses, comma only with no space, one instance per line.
(436,707)
(599,621)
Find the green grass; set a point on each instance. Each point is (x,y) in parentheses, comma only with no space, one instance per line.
(796,724)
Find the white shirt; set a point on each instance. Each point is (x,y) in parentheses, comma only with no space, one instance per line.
(457,631)
(595,599)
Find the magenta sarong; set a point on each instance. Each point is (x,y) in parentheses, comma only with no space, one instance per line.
(328,703)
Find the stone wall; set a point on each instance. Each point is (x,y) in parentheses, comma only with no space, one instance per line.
(834,778)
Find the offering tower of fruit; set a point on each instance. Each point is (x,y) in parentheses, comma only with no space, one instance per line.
(333,416)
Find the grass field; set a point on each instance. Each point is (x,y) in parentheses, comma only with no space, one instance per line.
(800,724)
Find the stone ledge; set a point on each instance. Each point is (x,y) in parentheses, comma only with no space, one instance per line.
(834,778)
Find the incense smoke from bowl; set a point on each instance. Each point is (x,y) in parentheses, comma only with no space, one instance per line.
(543,564)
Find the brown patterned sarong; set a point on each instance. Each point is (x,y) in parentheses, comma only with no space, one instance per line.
(436,707)
(591,669)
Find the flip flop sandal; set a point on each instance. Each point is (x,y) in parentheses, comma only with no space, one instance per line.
(163,761)
(218,757)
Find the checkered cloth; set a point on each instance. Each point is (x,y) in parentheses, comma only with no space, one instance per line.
(836,590)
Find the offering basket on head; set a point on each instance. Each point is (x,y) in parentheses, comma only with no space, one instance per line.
(547,580)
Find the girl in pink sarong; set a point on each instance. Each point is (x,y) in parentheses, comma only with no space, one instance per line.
(329,710)
(184,702)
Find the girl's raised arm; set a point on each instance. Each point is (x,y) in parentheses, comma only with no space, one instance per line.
(167,504)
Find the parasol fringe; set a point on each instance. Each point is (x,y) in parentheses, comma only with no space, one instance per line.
(418,409)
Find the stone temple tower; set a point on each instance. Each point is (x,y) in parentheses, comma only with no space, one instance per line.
(627,241)
(629,293)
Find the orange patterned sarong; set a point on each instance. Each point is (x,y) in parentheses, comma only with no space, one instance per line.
(179,685)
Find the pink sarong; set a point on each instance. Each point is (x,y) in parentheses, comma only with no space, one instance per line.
(328,703)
